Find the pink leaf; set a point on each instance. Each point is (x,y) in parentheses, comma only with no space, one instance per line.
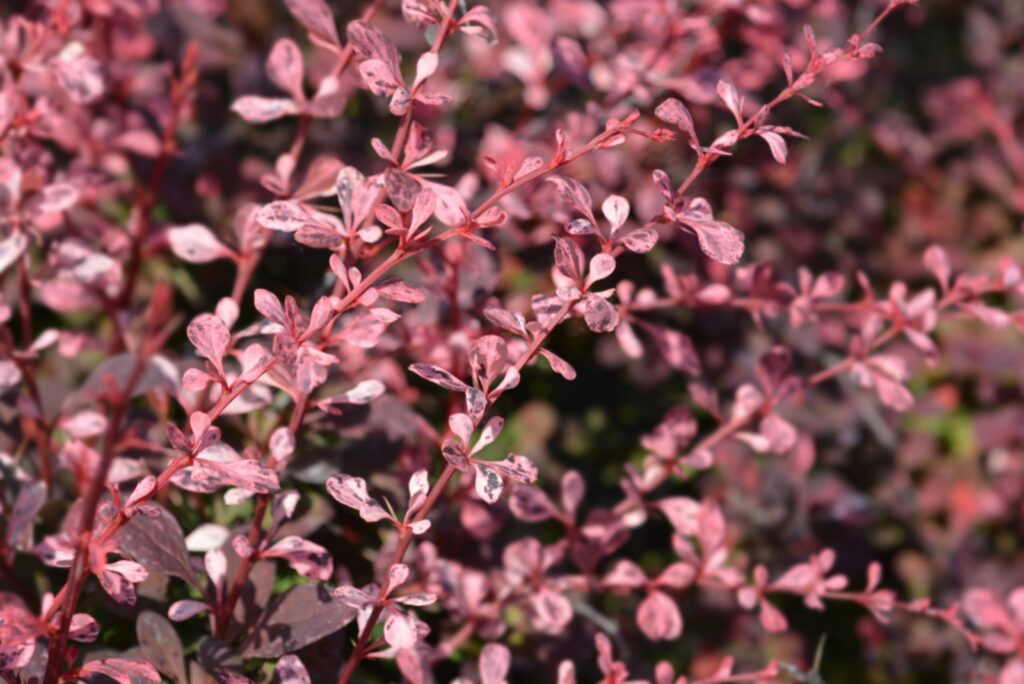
(269,305)
(531,504)
(308,559)
(776,143)
(893,394)
(284,215)
(488,483)
(210,337)
(79,74)
(290,670)
(558,364)
(580,226)
(601,266)
(625,575)
(771,618)
(121,670)
(117,579)
(84,628)
(244,474)
(426,65)
(281,443)
(371,43)
(351,491)
(639,241)
(450,206)
(57,197)
(422,209)
(937,261)
(401,291)
(284,66)
(678,575)
(196,244)
(512,321)
(419,487)
(380,79)
(675,112)
(682,512)
(599,314)
(363,393)
(732,100)
(438,376)
(780,433)
(658,617)
(11,249)
(571,61)
(479,21)
(718,239)
(676,348)
(576,195)
(316,17)
(143,490)
(569,259)
(516,467)
(455,454)
(495,660)
(550,612)
(572,490)
(616,210)
(400,630)
(256,109)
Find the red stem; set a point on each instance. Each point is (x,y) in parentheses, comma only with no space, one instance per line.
(405,537)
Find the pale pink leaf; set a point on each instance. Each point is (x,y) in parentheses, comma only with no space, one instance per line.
(284,66)
(257,109)
(599,314)
(639,241)
(659,618)
(616,210)
(400,630)
(84,628)
(426,65)
(559,365)
(438,376)
(727,92)
(479,21)
(576,194)
(401,291)
(196,244)
(601,266)
(244,474)
(624,575)
(569,259)
(290,670)
(12,248)
(495,660)
(937,261)
(284,215)
(308,559)
(776,143)
(210,337)
(516,467)
(571,61)
(316,17)
(269,305)
(351,491)
(57,197)
(718,240)
(121,670)
(675,112)
(488,483)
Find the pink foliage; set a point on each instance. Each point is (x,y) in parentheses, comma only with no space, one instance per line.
(276,284)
